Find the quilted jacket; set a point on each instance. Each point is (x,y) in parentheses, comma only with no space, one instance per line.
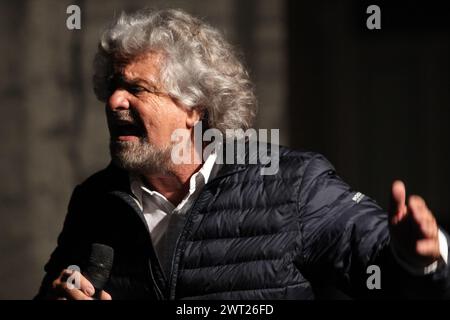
(247,236)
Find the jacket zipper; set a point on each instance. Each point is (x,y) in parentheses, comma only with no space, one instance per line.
(158,290)
(174,273)
(128,199)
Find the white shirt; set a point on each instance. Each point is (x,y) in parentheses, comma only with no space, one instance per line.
(164,220)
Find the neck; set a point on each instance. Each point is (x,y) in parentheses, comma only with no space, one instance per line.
(173,185)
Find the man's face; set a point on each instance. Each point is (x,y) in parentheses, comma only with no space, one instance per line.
(142,117)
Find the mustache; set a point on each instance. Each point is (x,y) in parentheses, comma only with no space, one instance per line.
(123,116)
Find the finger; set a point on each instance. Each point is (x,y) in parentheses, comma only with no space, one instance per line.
(86,286)
(422,216)
(417,204)
(398,198)
(105,295)
(73,285)
(75,294)
(80,282)
(430,229)
(428,248)
(58,283)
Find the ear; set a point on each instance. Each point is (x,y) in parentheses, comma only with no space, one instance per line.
(193,116)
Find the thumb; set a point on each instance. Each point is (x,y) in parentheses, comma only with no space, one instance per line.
(397,208)
(105,295)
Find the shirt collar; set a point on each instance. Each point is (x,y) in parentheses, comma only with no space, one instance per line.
(197,181)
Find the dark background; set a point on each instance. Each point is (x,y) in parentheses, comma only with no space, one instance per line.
(374,102)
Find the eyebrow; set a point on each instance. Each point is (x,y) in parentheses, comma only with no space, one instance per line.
(120,78)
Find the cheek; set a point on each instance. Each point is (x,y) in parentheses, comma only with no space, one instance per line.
(161,118)
(150,112)
(170,114)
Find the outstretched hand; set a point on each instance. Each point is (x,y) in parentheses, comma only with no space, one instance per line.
(413,228)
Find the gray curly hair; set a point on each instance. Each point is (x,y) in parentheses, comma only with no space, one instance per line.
(200,69)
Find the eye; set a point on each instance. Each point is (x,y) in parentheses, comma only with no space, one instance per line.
(135,89)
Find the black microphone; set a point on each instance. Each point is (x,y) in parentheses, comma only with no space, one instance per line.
(99,267)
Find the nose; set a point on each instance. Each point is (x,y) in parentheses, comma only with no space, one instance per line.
(118,100)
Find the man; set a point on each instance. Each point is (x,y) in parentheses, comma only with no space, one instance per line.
(206,230)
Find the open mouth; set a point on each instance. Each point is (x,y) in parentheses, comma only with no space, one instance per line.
(125,131)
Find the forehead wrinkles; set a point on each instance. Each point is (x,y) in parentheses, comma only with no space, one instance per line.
(145,66)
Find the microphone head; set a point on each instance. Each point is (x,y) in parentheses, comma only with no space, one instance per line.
(99,265)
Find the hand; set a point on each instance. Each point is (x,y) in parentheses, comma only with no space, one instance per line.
(61,290)
(413,228)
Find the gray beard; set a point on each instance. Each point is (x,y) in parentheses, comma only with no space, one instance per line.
(140,157)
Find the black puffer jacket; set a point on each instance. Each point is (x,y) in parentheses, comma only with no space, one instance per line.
(248,236)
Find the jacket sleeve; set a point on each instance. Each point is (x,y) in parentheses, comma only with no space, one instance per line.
(344,232)
(71,246)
